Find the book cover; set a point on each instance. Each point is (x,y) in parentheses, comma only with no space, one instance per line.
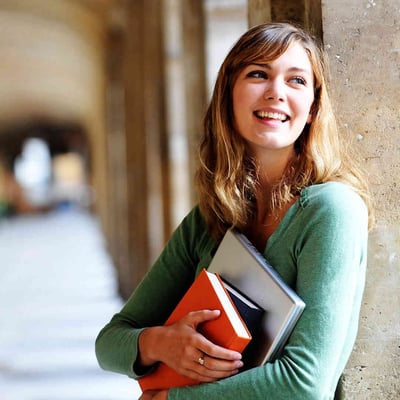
(228,330)
(251,313)
(242,266)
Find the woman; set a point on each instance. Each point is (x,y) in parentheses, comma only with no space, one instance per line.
(272,166)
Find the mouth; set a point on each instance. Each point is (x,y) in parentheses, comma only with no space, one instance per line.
(267,115)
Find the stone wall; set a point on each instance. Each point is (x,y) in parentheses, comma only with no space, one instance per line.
(363,41)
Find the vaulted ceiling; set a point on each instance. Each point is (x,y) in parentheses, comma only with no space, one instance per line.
(52,60)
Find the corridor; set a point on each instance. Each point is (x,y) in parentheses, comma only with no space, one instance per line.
(57,289)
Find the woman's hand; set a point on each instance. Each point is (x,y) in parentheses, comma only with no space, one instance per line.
(154,395)
(188,352)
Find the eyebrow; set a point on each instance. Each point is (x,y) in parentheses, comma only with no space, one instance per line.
(291,69)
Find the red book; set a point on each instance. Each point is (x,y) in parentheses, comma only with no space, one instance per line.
(206,293)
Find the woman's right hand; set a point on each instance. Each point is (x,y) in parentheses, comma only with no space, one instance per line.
(182,348)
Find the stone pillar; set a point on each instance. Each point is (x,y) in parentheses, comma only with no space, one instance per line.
(194,75)
(143,186)
(181,177)
(117,233)
(259,11)
(363,41)
(306,13)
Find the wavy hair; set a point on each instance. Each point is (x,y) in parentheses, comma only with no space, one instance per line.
(227,175)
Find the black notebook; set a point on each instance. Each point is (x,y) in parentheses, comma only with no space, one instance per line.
(272,308)
(251,313)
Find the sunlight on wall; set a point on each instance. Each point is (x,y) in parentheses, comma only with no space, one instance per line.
(225,22)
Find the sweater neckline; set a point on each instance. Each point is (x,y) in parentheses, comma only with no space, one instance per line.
(287,218)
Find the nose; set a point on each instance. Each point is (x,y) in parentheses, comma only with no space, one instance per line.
(275,90)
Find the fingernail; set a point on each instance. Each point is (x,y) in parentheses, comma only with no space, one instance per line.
(239,364)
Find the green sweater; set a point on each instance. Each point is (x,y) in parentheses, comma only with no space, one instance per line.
(319,249)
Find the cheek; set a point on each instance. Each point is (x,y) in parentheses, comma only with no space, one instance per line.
(244,103)
(237,98)
(239,105)
(309,111)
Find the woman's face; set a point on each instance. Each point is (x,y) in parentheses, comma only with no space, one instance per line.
(272,101)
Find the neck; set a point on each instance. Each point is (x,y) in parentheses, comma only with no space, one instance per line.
(272,166)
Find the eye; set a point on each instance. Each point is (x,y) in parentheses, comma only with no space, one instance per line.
(258,74)
(298,80)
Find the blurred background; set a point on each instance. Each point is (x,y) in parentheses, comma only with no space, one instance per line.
(95,170)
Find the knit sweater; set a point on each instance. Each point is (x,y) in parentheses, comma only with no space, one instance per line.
(319,249)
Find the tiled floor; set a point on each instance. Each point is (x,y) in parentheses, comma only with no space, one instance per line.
(57,289)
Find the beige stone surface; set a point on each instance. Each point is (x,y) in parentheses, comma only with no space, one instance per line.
(363,42)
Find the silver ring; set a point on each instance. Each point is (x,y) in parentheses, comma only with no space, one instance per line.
(201,360)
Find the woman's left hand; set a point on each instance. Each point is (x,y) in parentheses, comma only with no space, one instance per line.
(154,395)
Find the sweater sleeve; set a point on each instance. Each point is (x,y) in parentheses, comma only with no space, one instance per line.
(329,256)
(155,297)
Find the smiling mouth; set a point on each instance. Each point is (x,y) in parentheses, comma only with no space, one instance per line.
(263,115)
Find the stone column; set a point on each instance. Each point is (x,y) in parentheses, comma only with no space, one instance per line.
(194,76)
(259,11)
(180,175)
(117,233)
(363,41)
(306,13)
(144,190)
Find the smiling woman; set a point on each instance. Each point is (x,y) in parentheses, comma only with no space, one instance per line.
(270,166)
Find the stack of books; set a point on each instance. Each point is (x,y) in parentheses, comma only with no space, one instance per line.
(258,310)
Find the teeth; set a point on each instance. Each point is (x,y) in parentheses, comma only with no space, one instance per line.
(272,115)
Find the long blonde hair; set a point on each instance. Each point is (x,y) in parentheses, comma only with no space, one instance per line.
(227,175)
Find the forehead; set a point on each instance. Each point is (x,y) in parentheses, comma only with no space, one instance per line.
(294,57)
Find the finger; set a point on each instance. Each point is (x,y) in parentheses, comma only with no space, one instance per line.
(218,365)
(209,375)
(195,318)
(205,371)
(214,351)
